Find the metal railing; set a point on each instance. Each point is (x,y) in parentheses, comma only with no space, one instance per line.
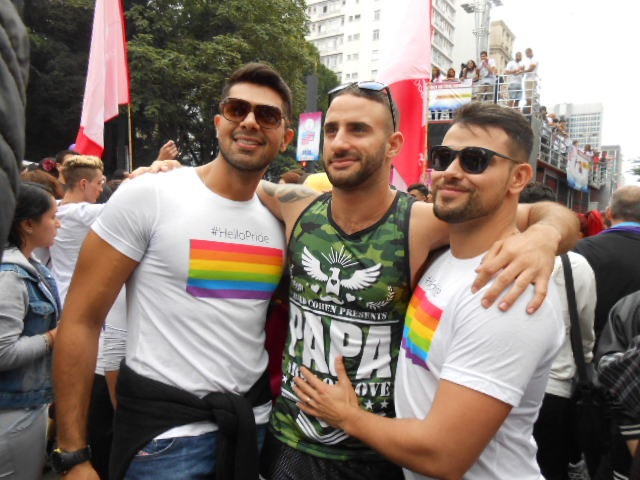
(525,96)
(446,97)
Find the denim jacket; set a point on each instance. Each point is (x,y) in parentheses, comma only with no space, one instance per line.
(30,292)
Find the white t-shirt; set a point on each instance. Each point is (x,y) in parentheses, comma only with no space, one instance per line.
(507,355)
(197,301)
(513,66)
(485,71)
(75,221)
(584,283)
(533,75)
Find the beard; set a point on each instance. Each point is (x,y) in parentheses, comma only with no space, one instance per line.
(472,208)
(468,211)
(369,164)
(244,163)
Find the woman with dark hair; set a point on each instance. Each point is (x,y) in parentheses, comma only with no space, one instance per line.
(451,75)
(29,311)
(470,72)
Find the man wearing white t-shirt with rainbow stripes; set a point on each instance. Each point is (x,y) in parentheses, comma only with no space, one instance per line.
(201,257)
(470,380)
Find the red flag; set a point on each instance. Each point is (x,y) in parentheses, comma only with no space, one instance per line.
(406,68)
(107,84)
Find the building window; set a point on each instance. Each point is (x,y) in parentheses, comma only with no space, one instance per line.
(376,34)
(376,15)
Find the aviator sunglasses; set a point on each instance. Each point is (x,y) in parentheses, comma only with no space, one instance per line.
(370,86)
(473,160)
(236,110)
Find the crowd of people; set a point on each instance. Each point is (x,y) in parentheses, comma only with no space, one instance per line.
(516,86)
(422,332)
(519,78)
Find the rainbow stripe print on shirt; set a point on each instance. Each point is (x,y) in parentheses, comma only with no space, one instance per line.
(420,325)
(233,270)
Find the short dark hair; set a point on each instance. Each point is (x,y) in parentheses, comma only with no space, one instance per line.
(537,192)
(263,75)
(292,176)
(379,96)
(421,187)
(63,153)
(33,201)
(514,124)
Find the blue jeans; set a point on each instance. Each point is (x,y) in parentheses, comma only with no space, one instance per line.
(180,457)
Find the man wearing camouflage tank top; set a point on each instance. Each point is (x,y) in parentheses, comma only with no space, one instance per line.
(354,255)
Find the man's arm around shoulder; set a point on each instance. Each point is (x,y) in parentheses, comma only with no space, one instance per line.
(426,234)
(285,201)
(548,229)
(558,221)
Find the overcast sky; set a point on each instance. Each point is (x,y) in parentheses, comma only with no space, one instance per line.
(589,51)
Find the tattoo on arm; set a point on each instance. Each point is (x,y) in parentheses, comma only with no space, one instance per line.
(287,193)
(269,188)
(293,193)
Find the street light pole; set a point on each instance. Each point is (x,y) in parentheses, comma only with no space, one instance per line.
(482,10)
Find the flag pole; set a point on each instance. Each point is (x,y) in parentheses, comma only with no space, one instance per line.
(130,122)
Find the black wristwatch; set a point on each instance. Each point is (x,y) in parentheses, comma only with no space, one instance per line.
(63,461)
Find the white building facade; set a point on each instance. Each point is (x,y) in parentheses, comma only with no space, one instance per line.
(584,121)
(348,34)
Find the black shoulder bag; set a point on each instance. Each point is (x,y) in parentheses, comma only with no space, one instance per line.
(588,403)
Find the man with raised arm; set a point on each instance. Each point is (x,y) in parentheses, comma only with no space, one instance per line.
(201,257)
(355,255)
(469,380)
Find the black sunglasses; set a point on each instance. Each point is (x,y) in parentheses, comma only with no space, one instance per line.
(236,110)
(371,86)
(472,159)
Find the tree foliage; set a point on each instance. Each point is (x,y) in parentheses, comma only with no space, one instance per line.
(635,168)
(59,34)
(180,53)
(183,51)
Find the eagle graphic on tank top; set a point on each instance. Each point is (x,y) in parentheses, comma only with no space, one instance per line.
(348,297)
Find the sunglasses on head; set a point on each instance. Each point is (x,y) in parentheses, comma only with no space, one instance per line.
(236,110)
(370,86)
(472,159)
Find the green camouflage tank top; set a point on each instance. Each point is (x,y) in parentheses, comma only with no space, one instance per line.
(348,297)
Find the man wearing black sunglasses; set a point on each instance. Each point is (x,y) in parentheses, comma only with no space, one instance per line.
(469,380)
(355,255)
(201,256)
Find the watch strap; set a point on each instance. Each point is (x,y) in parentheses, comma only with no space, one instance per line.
(63,461)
